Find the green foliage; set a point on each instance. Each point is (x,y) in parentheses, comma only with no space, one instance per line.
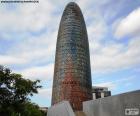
(31,109)
(14,94)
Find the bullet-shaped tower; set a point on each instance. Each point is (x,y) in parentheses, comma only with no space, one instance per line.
(72,73)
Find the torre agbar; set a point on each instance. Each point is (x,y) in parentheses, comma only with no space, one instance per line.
(72,73)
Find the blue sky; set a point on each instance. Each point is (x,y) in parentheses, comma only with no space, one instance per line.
(28,34)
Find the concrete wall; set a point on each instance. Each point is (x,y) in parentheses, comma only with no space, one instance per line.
(61,109)
(118,105)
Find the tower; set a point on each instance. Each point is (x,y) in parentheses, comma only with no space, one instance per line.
(72,73)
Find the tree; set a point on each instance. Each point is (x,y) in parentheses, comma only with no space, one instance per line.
(31,109)
(15,92)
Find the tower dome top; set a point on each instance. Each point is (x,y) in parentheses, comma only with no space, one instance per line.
(72,5)
(72,12)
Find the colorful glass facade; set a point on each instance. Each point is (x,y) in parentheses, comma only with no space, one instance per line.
(72,73)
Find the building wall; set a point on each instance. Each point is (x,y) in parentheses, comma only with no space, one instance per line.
(127,104)
(61,109)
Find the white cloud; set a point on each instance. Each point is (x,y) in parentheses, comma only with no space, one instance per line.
(109,85)
(96,25)
(27,17)
(36,49)
(45,93)
(84,4)
(97,29)
(114,56)
(113,85)
(9,60)
(130,25)
(40,72)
